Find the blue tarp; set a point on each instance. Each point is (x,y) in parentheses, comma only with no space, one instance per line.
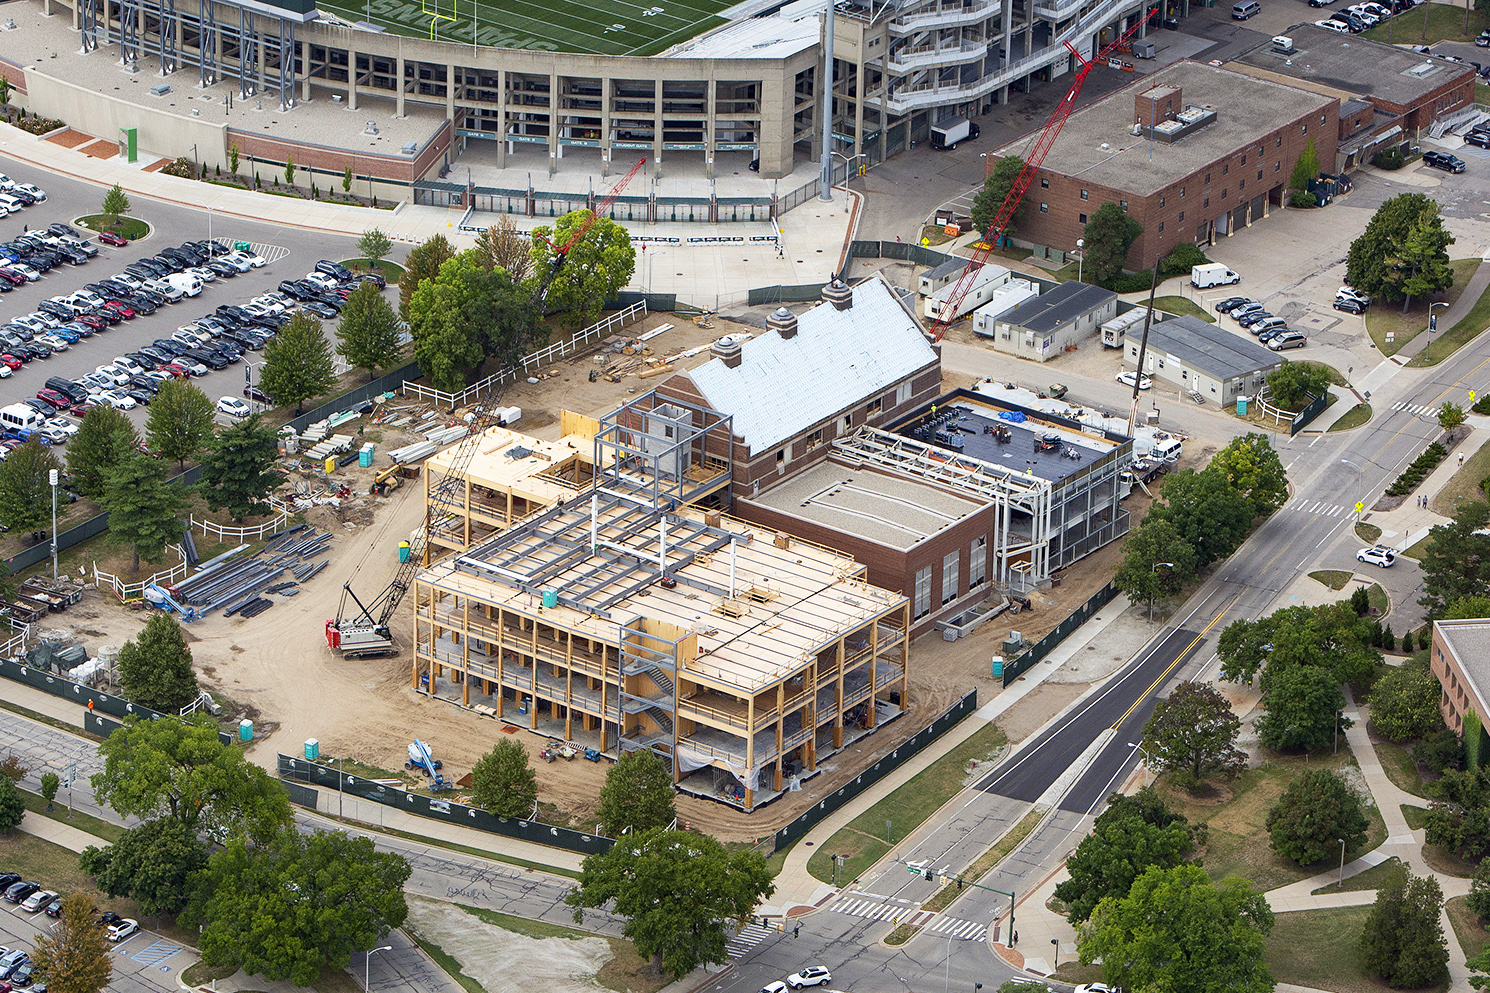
(1012,416)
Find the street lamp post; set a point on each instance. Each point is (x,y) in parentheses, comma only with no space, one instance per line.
(1056,964)
(1155,571)
(1080,256)
(848,172)
(1338,715)
(1342,862)
(52,478)
(1432,327)
(195,170)
(947,979)
(367,966)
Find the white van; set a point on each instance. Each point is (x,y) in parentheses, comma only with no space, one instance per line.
(170,291)
(1212,274)
(185,282)
(18,417)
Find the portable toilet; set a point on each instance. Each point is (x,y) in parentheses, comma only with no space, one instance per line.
(998,667)
(245,730)
(365,455)
(330,465)
(312,749)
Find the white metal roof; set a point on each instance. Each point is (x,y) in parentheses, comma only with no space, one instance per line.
(836,360)
(757,38)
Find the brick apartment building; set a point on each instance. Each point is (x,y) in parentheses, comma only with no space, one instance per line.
(1460,657)
(1192,152)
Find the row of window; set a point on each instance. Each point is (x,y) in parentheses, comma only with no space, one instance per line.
(977,575)
(845,423)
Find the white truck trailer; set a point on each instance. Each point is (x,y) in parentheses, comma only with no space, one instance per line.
(1114,330)
(979,291)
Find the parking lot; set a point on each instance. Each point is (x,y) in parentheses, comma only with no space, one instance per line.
(144,963)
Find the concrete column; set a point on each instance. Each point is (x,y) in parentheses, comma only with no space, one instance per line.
(352,77)
(501,118)
(555,109)
(398,72)
(657,124)
(859,101)
(450,85)
(710,136)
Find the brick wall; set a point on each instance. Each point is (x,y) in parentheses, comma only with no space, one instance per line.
(404,169)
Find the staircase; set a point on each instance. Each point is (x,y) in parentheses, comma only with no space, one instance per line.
(663,719)
(664,681)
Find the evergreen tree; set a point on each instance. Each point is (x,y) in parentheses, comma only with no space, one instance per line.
(1419,263)
(995,190)
(143,508)
(1313,814)
(1403,941)
(26,487)
(236,468)
(297,363)
(1108,235)
(104,440)
(155,668)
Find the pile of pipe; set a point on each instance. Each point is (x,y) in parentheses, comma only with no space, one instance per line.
(235,585)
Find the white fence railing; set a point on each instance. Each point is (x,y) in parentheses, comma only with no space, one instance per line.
(599,329)
(15,645)
(135,591)
(211,529)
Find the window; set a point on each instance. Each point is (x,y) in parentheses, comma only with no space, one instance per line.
(1044,183)
(1083,194)
(977,564)
(1207,177)
(1244,160)
(845,424)
(1082,218)
(1241,185)
(922,605)
(1223,194)
(1161,201)
(1225,168)
(1182,193)
(949,577)
(1259,175)
(1280,141)
(902,393)
(1259,151)
(1182,216)
(815,439)
(1304,129)
(1321,118)
(1277,166)
(875,406)
(1206,202)
(781,457)
(1044,208)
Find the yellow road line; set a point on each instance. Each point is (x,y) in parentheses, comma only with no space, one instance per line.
(1177,660)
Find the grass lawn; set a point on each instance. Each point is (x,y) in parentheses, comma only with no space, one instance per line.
(1437,22)
(1074,972)
(391,271)
(1398,764)
(1481,93)
(1446,863)
(985,862)
(200,974)
(1467,928)
(1237,843)
(81,821)
(1416,817)
(1415,551)
(1464,484)
(1181,307)
(445,961)
(626,972)
(1369,533)
(1352,418)
(1384,317)
(1317,948)
(1373,878)
(1378,599)
(130,227)
(1461,333)
(1335,579)
(863,840)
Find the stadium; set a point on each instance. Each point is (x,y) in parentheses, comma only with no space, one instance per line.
(488,89)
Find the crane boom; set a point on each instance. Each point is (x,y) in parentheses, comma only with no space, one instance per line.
(1026,176)
(365,633)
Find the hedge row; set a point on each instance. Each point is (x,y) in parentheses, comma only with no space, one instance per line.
(1418,471)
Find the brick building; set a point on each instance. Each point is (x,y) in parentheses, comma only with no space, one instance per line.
(1192,152)
(1460,658)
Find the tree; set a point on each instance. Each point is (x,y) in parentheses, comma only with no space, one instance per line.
(12,807)
(1367,265)
(595,269)
(1194,732)
(152,863)
(1157,562)
(1176,930)
(1464,609)
(1451,417)
(346,179)
(1329,636)
(105,438)
(995,191)
(1313,814)
(423,263)
(155,668)
(463,315)
(178,768)
(1252,467)
(1305,167)
(1210,515)
(1109,235)
(115,202)
(49,784)
(503,781)
(1404,702)
(502,246)
(1302,703)
(1479,891)
(180,420)
(638,794)
(144,509)
(1460,819)
(1132,835)
(374,246)
(1456,558)
(1294,384)
(301,904)
(289,171)
(368,335)
(25,486)
(233,158)
(1402,940)
(297,363)
(682,894)
(237,468)
(74,954)
(4,89)
(1420,264)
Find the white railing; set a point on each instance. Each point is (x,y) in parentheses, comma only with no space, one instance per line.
(136,591)
(908,60)
(15,645)
(211,529)
(619,319)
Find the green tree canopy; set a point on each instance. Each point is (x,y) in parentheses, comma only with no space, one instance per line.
(367,336)
(1305,167)
(1294,384)
(12,807)
(1193,731)
(1460,820)
(155,667)
(302,903)
(115,203)
(1251,466)
(152,863)
(503,781)
(1211,515)
(1404,702)
(1130,836)
(1330,636)
(25,486)
(1176,930)
(1368,265)
(1419,264)
(180,769)
(237,468)
(1451,417)
(1157,562)
(1108,235)
(144,509)
(180,421)
(74,954)
(1403,940)
(682,894)
(374,245)
(297,363)
(1456,558)
(1316,810)
(638,794)
(995,190)
(594,270)
(1465,609)
(502,246)
(423,263)
(1302,702)
(105,438)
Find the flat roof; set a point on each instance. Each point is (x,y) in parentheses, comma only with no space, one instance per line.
(1058,306)
(1098,144)
(1210,347)
(895,511)
(1469,641)
(1357,66)
(511,462)
(973,432)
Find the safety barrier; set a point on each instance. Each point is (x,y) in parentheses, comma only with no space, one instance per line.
(211,529)
(134,591)
(1016,667)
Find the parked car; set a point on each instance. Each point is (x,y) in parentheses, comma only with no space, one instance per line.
(124,930)
(54,909)
(1443,160)
(1349,306)
(1351,293)
(12,961)
(1232,303)
(38,900)
(1288,339)
(1127,378)
(1377,555)
(110,238)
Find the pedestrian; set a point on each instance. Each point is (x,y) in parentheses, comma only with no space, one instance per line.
(897,239)
(1461,458)
(1016,938)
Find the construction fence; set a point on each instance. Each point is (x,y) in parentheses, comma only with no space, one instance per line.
(427,805)
(886,765)
(1017,666)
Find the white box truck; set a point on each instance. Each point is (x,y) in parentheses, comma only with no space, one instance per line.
(952,131)
(979,289)
(1155,444)
(1212,274)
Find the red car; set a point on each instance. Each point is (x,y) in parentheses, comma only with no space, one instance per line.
(179,372)
(79,410)
(110,238)
(124,310)
(97,322)
(10,361)
(48,395)
(12,277)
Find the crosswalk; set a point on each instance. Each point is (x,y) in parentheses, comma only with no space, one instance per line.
(1417,409)
(951,927)
(875,910)
(1307,506)
(750,936)
(928,922)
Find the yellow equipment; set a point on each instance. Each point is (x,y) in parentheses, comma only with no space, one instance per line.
(387,480)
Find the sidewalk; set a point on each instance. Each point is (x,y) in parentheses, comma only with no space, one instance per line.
(1453,315)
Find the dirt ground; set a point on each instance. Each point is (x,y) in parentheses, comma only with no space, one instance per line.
(503,961)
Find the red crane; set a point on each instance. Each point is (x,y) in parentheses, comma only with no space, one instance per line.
(1027,176)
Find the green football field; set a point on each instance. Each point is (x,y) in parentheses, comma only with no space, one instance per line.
(601,27)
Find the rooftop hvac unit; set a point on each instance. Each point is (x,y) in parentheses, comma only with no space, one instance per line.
(1282,43)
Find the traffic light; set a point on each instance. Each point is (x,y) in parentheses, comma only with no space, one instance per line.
(930,874)
(796,929)
(959,882)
